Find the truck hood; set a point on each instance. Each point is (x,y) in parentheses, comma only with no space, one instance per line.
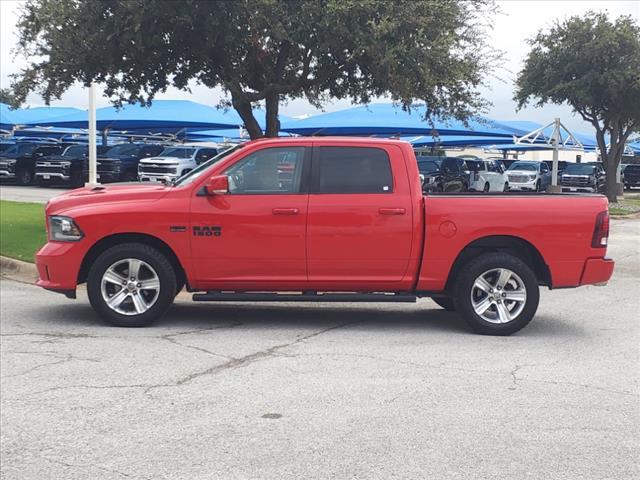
(100,195)
(163,160)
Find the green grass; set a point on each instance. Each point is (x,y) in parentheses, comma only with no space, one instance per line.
(22,229)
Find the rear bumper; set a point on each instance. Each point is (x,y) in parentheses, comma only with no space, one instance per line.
(58,266)
(597,271)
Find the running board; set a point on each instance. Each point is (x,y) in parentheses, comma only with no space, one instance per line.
(304,297)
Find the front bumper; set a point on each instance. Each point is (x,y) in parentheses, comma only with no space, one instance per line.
(58,265)
(573,188)
(52,176)
(522,185)
(7,174)
(146,177)
(597,271)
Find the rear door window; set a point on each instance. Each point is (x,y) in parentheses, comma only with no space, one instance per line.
(352,170)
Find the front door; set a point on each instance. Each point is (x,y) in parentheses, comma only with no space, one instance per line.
(360,220)
(254,236)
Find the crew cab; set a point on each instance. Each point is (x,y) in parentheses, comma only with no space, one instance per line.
(583,177)
(19,161)
(120,163)
(66,168)
(173,162)
(320,220)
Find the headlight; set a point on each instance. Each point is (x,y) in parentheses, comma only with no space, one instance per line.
(64,229)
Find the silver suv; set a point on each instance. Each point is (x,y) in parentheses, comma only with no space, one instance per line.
(529,175)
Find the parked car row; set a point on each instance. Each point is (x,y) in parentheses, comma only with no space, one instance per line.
(67,163)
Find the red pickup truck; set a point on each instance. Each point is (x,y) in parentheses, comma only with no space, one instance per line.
(320,219)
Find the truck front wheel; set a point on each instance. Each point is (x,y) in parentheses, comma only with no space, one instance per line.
(131,285)
(496,294)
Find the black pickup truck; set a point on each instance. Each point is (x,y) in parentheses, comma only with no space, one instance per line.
(66,168)
(631,176)
(19,161)
(120,163)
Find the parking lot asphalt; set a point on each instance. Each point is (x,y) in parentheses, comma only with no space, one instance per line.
(18,193)
(252,391)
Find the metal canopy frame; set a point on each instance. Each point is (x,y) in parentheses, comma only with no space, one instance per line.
(560,138)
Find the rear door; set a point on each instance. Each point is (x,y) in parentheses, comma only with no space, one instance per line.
(359,226)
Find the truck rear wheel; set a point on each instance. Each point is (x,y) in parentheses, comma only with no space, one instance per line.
(496,294)
(131,285)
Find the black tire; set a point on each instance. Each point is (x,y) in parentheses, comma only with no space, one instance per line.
(486,188)
(24,176)
(506,187)
(538,186)
(77,179)
(464,286)
(152,257)
(445,302)
(465,187)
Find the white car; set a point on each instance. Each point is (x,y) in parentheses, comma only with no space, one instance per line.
(529,175)
(173,162)
(487,176)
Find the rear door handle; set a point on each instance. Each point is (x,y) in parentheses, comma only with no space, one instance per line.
(391,211)
(285,211)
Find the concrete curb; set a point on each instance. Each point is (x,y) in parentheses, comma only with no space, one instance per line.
(18,270)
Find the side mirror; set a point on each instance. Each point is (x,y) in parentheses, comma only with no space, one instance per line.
(217,185)
(422,177)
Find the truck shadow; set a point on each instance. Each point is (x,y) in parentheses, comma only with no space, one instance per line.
(257,317)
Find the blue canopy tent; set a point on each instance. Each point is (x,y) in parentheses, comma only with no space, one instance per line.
(168,116)
(450,141)
(10,119)
(635,148)
(389,120)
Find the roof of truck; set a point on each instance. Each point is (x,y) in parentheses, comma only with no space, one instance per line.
(367,140)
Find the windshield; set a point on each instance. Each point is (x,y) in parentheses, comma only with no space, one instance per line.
(199,170)
(428,167)
(19,149)
(578,169)
(75,151)
(124,149)
(179,152)
(531,167)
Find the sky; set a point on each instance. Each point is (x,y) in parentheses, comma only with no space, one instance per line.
(518,21)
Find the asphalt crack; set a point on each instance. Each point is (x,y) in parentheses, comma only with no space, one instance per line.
(61,359)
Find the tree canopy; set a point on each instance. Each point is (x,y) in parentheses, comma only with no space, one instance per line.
(262,51)
(592,64)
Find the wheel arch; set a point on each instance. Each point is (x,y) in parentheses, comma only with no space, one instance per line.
(118,238)
(514,245)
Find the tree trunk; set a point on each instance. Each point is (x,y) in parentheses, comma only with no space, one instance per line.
(271,115)
(243,107)
(608,158)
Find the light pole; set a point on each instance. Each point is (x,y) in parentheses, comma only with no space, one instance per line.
(93,163)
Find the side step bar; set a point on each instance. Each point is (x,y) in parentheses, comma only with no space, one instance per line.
(303,297)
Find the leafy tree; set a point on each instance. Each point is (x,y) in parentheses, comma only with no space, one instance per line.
(7,97)
(592,64)
(262,51)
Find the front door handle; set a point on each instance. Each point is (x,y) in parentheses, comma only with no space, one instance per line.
(392,211)
(285,211)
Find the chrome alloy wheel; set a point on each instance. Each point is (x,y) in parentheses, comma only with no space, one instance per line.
(130,286)
(498,295)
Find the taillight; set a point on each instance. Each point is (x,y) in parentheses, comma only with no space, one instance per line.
(601,231)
